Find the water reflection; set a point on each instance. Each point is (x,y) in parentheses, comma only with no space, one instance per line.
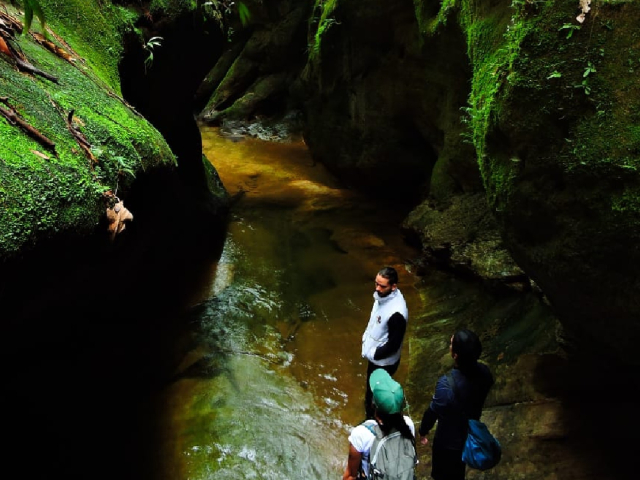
(274,380)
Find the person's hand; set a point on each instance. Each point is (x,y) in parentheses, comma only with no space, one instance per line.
(424,440)
(347,475)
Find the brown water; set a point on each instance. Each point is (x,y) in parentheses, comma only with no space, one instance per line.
(274,380)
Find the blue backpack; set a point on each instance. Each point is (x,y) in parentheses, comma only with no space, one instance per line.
(482,450)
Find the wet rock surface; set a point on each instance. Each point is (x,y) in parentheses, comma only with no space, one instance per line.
(287,128)
(556,414)
(463,236)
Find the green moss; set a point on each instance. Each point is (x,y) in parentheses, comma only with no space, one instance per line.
(537,73)
(45,191)
(494,35)
(534,53)
(326,8)
(214,183)
(77,21)
(428,24)
(171,7)
(626,201)
(613,149)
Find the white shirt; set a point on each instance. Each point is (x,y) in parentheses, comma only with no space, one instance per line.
(377,332)
(362,438)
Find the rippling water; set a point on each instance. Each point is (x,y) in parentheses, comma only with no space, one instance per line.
(273,380)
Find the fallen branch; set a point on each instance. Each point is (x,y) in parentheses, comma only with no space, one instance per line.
(27,67)
(62,42)
(52,47)
(18,57)
(13,118)
(9,27)
(80,138)
(9,23)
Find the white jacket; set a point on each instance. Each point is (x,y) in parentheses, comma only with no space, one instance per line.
(377,332)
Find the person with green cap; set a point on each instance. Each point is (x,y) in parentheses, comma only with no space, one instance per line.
(388,403)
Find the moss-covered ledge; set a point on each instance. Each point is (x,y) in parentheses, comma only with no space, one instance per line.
(553,115)
(50,188)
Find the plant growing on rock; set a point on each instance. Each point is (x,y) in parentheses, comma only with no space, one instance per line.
(149,46)
(220,10)
(570,27)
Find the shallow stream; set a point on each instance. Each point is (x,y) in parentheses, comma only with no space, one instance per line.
(273,380)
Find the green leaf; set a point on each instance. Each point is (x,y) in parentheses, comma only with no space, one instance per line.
(554,74)
(570,27)
(28,17)
(155,42)
(32,7)
(589,70)
(244,13)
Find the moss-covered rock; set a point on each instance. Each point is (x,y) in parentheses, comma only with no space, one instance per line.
(253,78)
(45,190)
(554,108)
(89,319)
(102,143)
(382,104)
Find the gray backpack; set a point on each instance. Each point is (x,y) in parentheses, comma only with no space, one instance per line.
(392,457)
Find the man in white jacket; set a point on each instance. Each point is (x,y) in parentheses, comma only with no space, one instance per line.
(382,340)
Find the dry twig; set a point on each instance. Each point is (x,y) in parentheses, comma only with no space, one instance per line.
(15,119)
(8,28)
(52,47)
(80,138)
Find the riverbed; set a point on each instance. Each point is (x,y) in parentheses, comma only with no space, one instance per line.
(272,380)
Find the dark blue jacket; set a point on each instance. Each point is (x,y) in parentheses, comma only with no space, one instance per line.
(452,411)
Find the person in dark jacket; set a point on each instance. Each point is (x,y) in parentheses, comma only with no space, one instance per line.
(459,395)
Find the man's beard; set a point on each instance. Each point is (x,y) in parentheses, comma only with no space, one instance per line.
(383,295)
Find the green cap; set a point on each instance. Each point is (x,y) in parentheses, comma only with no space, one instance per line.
(388,396)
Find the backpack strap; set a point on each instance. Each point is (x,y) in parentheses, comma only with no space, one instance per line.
(369,426)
